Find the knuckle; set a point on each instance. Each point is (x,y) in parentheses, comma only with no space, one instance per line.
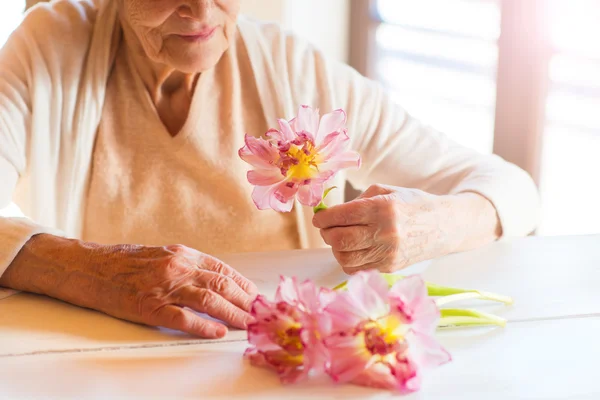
(170,268)
(390,210)
(178,318)
(206,299)
(219,267)
(377,189)
(177,249)
(220,284)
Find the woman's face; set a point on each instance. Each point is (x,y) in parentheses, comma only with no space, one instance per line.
(188,35)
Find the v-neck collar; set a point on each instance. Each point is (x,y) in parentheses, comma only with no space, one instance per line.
(190,124)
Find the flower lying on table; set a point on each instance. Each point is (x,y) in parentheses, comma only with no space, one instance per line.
(374,330)
(298,159)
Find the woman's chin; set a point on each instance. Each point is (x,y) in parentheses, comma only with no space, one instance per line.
(195,61)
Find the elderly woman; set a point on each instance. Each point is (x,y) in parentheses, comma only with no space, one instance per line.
(120,125)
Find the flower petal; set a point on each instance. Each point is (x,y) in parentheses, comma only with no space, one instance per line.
(311,194)
(332,122)
(323,176)
(259,153)
(348,356)
(308,294)
(265,177)
(409,299)
(307,122)
(287,290)
(290,369)
(347,159)
(259,337)
(278,197)
(287,134)
(261,307)
(379,376)
(333,144)
(426,351)
(344,312)
(370,291)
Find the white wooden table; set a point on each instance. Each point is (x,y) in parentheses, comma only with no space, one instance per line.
(549,350)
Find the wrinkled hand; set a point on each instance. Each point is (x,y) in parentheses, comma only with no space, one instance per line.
(155,285)
(389,228)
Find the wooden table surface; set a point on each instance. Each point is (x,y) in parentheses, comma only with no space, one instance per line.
(549,349)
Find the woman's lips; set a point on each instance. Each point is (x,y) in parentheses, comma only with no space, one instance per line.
(200,36)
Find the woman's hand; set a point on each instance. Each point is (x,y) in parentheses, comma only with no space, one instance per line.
(389,228)
(157,286)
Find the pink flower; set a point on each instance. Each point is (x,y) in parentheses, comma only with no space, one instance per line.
(298,159)
(287,334)
(383,338)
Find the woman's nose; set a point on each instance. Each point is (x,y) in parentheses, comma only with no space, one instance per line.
(196,9)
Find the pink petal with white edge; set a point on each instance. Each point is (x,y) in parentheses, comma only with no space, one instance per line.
(345,314)
(323,176)
(308,294)
(378,376)
(287,290)
(258,153)
(426,351)
(265,177)
(261,307)
(333,144)
(274,197)
(408,375)
(259,337)
(286,131)
(348,159)
(276,361)
(370,292)
(307,121)
(409,298)
(274,135)
(332,122)
(311,194)
(348,356)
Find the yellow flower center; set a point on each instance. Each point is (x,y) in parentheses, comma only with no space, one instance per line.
(290,340)
(306,162)
(384,336)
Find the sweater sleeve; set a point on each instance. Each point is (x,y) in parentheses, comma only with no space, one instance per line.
(399,150)
(15,118)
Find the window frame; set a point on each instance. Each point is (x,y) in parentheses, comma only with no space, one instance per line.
(523,62)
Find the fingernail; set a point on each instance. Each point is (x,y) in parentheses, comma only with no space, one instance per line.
(249,320)
(220,332)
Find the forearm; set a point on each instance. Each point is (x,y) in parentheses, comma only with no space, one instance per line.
(52,266)
(471,221)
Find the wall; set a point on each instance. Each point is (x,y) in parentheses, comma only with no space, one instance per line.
(267,10)
(325,23)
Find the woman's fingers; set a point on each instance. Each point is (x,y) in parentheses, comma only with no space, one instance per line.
(225,287)
(356,212)
(179,319)
(350,238)
(215,265)
(356,259)
(212,303)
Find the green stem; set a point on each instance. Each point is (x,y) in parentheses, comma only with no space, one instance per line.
(449,293)
(473,294)
(322,206)
(460,317)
